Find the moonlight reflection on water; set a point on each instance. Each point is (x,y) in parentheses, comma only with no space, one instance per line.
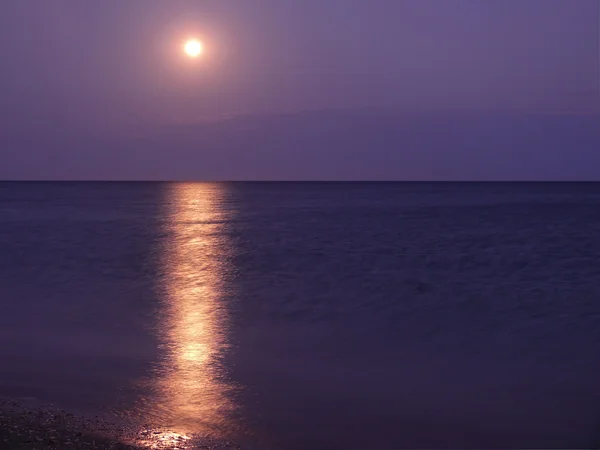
(192,394)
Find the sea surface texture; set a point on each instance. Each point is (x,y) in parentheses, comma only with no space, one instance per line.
(307,315)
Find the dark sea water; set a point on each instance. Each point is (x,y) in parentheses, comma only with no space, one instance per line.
(308,315)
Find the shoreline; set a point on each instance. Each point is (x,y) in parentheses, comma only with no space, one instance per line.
(46,427)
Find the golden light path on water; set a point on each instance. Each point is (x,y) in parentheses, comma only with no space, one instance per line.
(192,394)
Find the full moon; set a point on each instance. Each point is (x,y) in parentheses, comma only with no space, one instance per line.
(193,48)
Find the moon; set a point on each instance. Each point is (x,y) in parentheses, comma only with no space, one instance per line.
(193,48)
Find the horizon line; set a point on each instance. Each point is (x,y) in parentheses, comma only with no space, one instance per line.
(499,181)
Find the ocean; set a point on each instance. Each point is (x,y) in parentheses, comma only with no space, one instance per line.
(307,315)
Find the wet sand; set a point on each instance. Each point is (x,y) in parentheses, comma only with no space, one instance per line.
(48,428)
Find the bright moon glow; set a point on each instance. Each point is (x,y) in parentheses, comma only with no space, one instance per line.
(193,48)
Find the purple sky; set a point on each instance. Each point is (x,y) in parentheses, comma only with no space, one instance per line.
(311,89)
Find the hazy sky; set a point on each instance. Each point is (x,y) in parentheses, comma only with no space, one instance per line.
(289,89)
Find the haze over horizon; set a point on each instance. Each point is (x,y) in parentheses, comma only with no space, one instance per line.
(380,90)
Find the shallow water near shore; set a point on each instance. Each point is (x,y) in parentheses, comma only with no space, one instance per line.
(307,315)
